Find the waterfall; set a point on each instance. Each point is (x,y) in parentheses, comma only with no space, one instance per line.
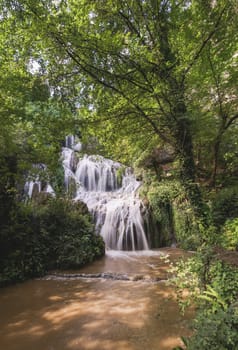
(117,210)
(33,187)
(97,174)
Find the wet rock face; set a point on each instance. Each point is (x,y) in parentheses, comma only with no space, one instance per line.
(42,197)
(73,162)
(35,190)
(160,156)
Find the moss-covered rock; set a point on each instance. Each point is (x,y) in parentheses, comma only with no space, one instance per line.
(172,217)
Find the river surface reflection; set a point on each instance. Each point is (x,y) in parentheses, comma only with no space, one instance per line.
(96,313)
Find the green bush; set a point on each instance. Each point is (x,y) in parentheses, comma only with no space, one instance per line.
(70,234)
(58,234)
(216,331)
(212,286)
(224,281)
(225,205)
(173,213)
(57,179)
(229,238)
(202,271)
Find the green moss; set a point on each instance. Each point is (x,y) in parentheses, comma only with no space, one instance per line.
(172,212)
(119,175)
(57,179)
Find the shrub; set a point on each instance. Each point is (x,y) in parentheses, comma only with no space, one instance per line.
(225,205)
(173,213)
(216,331)
(202,271)
(58,234)
(229,237)
(22,251)
(213,287)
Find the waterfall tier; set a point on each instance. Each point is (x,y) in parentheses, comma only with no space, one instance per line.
(118,212)
(33,187)
(96,173)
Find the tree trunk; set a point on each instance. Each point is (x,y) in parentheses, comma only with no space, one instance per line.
(216,151)
(184,144)
(215,161)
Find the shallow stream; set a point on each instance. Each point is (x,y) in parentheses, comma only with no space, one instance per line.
(64,311)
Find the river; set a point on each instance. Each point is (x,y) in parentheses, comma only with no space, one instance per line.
(99,311)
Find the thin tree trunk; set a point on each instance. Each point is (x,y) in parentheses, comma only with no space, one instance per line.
(215,161)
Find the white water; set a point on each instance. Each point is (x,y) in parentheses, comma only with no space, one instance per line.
(117,210)
(36,185)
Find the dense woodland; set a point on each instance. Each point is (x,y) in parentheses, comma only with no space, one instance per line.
(150,83)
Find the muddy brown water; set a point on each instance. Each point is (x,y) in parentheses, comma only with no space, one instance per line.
(56,313)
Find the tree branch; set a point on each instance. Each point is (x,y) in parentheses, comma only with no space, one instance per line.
(230,121)
(204,43)
(217,83)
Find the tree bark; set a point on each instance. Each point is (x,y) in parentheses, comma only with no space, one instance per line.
(184,143)
(215,160)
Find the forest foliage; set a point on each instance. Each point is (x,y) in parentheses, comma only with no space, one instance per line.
(140,75)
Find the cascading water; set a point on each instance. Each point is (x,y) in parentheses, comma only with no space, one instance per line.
(117,210)
(36,186)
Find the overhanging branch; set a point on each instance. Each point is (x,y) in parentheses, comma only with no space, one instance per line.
(204,43)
